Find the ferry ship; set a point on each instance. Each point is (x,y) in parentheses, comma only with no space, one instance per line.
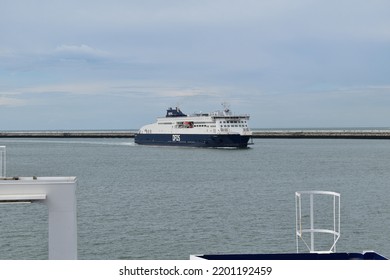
(216,129)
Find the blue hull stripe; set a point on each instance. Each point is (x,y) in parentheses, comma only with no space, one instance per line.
(193,140)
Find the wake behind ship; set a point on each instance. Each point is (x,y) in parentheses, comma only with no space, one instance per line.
(216,129)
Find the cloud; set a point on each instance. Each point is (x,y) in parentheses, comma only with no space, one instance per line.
(12,102)
(68,88)
(117,87)
(5,53)
(79,52)
(41,60)
(251,53)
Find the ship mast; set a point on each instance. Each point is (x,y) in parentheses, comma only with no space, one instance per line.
(226,108)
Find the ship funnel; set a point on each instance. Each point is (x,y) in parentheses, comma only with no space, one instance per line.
(317,220)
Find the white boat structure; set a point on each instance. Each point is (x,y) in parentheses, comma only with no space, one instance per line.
(216,129)
(307,232)
(59,194)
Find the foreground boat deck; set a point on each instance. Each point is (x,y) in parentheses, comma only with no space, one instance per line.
(370,255)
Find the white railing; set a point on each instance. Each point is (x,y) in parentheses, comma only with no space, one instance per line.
(304,227)
(2,161)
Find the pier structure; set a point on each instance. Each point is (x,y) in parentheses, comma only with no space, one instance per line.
(59,194)
(256,133)
(68,134)
(324,133)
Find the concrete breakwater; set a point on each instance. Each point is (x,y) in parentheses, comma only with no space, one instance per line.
(346,134)
(68,134)
(332,134)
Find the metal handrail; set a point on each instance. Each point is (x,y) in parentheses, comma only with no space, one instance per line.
(336,220)
(2,161)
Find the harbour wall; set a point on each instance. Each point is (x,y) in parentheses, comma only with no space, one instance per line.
(332,134)
(323,134)
(68,134)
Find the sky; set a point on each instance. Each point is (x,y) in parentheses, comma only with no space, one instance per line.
(119,64)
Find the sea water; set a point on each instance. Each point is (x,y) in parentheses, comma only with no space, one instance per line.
(142,202)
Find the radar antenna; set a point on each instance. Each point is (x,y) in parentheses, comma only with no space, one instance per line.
(226,108)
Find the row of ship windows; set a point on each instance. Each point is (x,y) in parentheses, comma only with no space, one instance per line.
(236,125)
(170,123)
(224,125)
(241,124)
(233,122)
(193,125)
(201,125)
